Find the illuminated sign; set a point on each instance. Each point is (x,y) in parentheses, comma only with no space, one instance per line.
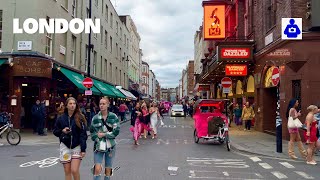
(235,53)
(214,22)
(236,70)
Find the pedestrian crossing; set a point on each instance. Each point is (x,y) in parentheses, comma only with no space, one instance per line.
(277,173)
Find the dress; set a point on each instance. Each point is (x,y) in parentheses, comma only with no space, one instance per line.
(313,132)
(154,121)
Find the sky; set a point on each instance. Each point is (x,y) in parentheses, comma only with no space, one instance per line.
(167,29)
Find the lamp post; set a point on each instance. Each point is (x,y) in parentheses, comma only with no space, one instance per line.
(90,46)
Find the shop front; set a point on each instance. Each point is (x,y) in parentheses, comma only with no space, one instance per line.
(299,63)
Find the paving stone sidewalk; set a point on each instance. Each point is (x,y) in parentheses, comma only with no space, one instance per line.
(260,144)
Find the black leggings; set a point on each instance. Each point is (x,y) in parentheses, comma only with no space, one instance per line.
(248,124)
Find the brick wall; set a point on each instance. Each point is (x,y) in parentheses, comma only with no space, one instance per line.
(190,76)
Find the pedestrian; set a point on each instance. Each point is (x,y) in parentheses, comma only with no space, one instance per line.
(122,110)
(311,133)
(38,114)
(294,132)
(237,111)
(145,119)
(247,116)
(93,110)
(60,109)
(154,118)
(35,111)
(71,130)
(22,117)
(104,129)
(136,123)
(191,109)
(185,109)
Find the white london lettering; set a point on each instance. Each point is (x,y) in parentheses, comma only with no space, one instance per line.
(58,26)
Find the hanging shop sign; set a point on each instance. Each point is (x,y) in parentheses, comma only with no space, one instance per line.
(214,21)
(236,70)
(242,53)
(204,88)
(33,67)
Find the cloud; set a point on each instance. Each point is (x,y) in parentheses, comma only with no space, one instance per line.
(167,29)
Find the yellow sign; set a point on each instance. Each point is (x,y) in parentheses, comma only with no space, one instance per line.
(214,22)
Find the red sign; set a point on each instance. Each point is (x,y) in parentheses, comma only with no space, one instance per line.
(236,70)
(87,82)
(275,76)
(235,53)
(203,88)
(226,82)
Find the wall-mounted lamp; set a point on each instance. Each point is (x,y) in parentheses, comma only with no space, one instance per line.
(59,68)
(25,85)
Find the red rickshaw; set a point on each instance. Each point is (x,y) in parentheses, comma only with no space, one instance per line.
(209,121)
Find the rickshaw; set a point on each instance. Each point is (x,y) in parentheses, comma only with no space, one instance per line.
(209,121)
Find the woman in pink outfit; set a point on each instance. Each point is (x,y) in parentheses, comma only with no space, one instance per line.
(146,119)
(137,128)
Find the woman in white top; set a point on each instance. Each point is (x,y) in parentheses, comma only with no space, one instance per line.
(155,115)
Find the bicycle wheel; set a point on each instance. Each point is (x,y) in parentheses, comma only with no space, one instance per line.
(13,137)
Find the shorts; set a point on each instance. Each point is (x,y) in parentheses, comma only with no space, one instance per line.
(293,130)
(108,157)
(66,154)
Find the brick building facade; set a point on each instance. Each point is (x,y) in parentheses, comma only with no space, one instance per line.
(190,78)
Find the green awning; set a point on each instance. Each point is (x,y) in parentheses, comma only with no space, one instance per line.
(77,79)
(116,91)
(2,61)
(104,88)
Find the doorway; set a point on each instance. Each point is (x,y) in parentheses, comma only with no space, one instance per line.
(269,109)
(30,94)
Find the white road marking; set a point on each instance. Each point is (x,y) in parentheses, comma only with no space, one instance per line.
(185,142)
(259,175)
(304,175)
(225,173)
(287,165)
(279,175)
(222,163)
(164,142)
(173,168)
(255,159)
(265,165)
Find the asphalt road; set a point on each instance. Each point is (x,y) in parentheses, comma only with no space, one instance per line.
(173,156)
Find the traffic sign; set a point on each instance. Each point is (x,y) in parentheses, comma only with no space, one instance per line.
(275,76)
(88,92)
(226,82)
(226,90)
(87,82)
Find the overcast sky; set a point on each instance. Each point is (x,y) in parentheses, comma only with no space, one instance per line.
(167,29)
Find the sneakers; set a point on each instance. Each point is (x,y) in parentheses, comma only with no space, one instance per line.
(311,162)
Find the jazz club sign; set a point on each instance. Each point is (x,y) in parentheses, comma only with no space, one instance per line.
(236,70)
(214,21)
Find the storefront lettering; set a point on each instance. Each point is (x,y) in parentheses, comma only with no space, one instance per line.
(235,53)
(234,70)
(280,53)
(32,67)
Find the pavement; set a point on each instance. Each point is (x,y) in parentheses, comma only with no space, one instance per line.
(172,156)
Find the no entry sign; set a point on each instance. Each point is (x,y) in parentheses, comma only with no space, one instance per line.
(87,82)
(275,76)
(226,82)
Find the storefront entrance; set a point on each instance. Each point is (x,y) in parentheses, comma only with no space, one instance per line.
(30,94)
(269,109)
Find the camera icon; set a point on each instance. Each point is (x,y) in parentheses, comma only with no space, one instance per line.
(292,30)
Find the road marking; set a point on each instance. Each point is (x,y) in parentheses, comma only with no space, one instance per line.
(164,142)
(265,165)
(255,159)
(225,173)
(304,175)
(287,165)
(185,142)
(279,175)
(51,161)
(172,168)
(222,163)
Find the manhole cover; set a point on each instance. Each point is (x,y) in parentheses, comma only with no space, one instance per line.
(20,156)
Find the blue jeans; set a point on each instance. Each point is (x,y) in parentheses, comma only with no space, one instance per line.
(108,160)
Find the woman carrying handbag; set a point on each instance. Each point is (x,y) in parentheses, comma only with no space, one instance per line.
(293,127)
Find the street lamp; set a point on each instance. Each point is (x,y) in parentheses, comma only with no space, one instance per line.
(90,46)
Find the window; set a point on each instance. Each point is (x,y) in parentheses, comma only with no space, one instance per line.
(101,30)
(117,27)
(101,67)
(111,44)
(120,77)
(94,62)
(116,77)
(106,70)
(111,20)
(95,35)
(107,13)
(88,13)
(125,40)
(65,4)
(117,50)
(120,53)
(0,29)
(144,79)
(74,8)
(120,33)
(96,2)
(86,59)
(73,50)
(127,43)
(124,79)
(270,14)
(48,47)
(110,72)
(106,39)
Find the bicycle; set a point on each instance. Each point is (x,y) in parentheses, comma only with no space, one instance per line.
(11,134)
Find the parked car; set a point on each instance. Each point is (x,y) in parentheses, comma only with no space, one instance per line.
(177,110)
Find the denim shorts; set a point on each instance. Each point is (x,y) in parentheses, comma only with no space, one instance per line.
(108,157)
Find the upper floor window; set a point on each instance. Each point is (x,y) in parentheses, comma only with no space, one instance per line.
(107,12)
(0,29)
(74,8)
(49,37)
(117,27)
(96,2)
(73,50)
(270,16)
(111,20)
